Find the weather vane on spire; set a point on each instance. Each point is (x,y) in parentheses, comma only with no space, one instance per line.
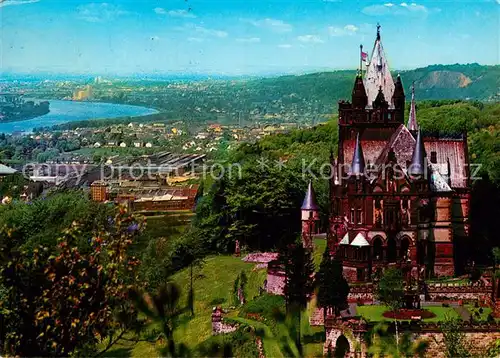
(378,31)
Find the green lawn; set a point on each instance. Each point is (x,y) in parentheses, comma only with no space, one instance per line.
(483,317)
(213,286)
(374,313)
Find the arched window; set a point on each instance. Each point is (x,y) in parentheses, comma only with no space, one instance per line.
(404,252)
(378,253)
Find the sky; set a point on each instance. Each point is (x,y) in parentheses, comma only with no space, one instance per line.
(240,37)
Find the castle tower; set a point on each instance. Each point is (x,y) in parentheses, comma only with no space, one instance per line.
(310,217)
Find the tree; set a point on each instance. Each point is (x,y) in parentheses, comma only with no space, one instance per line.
(299,270)
(455,341)
(382,343)
(391,291)
(163,307)
(333,288)
(60,301)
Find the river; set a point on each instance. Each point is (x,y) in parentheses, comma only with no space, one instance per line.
(70,111)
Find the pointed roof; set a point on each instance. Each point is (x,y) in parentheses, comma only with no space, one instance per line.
(399,90)
(5,170)
(417,167)
(345,239)
(359,98)
(378,73)
(360,240)
(310,199)
(380,99)
(358,160)
(412,121)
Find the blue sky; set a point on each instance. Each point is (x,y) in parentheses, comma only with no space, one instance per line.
(240,36)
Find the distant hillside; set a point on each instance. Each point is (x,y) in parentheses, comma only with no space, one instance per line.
(470,81)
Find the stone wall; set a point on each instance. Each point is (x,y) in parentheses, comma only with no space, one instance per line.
(275,281)
(480,342)
(218,324)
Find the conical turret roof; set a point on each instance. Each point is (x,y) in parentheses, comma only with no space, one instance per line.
(417,167)
(310,199)
(358,160)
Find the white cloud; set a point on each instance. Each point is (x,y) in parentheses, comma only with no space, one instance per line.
(16,2)
(174,13)
(285,46)
(194,39)
(403,8)
(99,12)
(181,13)
(210,32)
(343,31)
(160,11)
(197,31)
(249,40)
(310,39)
(155,38)
(271,24)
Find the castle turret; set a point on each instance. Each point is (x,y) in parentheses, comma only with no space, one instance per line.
(417,167)
(398,100)
(310,216)
(358,160)
(412,120)
(359,98)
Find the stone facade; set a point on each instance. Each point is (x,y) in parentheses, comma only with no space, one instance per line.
(480,337)
(383,212)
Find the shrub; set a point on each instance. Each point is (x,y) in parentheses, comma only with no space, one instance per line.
(267,306)
(446,305)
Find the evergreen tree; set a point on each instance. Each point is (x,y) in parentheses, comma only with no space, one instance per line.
(299,269)
(333,288)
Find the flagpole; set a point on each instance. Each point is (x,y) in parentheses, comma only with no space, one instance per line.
(361,60)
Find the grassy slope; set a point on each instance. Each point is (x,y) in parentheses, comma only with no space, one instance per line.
(213,284)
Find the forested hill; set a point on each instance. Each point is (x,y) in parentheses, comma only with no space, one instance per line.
(471,81)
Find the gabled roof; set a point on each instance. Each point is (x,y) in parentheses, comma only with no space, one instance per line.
(378,73)
(310,199)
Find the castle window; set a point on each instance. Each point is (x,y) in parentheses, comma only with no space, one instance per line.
(433,157)
(352,215)
(360,216)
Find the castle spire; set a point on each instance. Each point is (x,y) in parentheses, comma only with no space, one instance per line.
(412,121)
(359,98)
(358,160)
(378,73)
(310,199)
(417,167)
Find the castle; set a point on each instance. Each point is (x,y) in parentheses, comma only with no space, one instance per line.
(398,196)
